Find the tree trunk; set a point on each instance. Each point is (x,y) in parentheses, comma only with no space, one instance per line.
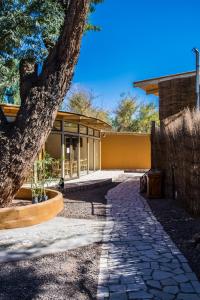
(41,97)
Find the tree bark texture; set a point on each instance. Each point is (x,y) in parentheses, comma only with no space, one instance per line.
(41,97)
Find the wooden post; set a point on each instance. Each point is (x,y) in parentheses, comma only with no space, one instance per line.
(94,160)
(88,156)
(79,154)
(100,154)
(153,130)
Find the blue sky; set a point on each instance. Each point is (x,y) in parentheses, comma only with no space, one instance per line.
(139,40)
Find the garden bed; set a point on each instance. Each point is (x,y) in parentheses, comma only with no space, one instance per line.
(30,214)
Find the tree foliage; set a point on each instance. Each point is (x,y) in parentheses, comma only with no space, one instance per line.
(29,29)
(146,114)
(131,115)
(81,101)
(124,113)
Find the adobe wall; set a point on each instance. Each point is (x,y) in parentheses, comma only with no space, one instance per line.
(176,95)
(120,150)
(176,143)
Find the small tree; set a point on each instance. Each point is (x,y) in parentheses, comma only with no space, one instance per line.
(146,114)
(81,101)
(124,113)
(133,116)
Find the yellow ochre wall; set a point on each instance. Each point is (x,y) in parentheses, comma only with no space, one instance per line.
(125,151)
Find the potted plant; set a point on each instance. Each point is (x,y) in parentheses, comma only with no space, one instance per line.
(41,176)
(39,194)
(44,195)
(34,195)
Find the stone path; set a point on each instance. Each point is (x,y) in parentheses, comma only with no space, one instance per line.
(139,260)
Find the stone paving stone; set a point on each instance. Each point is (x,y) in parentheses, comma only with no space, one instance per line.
(146,278)
(140,295)
(181,278)
(178,271)
(140,258)
(118,296)
(171,289)
(196,286)
(162,295)
(117,288)
(154,265)
(168,281)
(134,287)
(186,267)
(154,283)
(166,269)
(186,288)
(191,276)
(159,275)
(182,296)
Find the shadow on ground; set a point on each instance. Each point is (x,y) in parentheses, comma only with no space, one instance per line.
(182,228)
(65,275)
(69,275)
(90,204)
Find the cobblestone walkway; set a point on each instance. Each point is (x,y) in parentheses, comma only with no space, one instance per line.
(139,260)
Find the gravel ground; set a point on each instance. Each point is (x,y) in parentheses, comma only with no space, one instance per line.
(183,229)
(68,275)
(89,204)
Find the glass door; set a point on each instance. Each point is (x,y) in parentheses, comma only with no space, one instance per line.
(71,157)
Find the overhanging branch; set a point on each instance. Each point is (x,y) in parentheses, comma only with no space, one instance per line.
(65,53)
(46,91)
(28,77)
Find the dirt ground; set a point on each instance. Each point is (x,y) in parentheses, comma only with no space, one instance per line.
(183,229)
(69,275)
(89,204)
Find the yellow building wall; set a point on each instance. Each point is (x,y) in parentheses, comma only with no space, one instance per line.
(125,151)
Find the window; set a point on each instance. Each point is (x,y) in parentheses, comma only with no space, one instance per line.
(91,154)
(57,125)
(83,155)
(71,127)
(90,131)
(83,129)
(97,133)
(97,154)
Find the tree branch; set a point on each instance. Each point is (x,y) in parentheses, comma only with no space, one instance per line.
(47,91)
(28,77)
(64,4)
(65,53)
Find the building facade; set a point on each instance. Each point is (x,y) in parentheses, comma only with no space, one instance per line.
(175,143)
(176,92)
(73,146)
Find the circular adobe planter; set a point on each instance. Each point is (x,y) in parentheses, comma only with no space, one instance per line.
(31,214)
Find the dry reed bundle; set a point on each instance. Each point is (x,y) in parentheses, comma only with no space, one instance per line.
(176,150)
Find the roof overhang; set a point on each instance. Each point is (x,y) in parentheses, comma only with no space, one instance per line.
(11,110)
(150,86)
